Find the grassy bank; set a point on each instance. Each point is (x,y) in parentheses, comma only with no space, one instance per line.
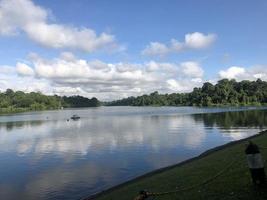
(234,183)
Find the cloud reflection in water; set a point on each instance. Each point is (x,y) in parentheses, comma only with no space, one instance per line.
(69,159)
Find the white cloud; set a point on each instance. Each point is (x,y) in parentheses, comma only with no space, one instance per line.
(153,66)
(64,55)
(24,83)
(24,16)
(58,36)
(176,86)
(194,40)
(183,85)
(192,69)
(155,48)
(16,14)
(233,72)
(69,75)
(245,73)
(24,70)
(199,40)
(82,71)
(176,45)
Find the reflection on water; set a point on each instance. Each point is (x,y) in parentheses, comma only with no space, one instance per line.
(44,156)
(19,124)
(228,120)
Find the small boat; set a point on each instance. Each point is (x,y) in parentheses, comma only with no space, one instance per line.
(75,117)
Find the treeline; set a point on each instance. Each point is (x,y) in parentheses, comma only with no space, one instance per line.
(225,92)
(79,101)
(18,101)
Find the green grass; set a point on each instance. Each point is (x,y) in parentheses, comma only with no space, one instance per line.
(235,183)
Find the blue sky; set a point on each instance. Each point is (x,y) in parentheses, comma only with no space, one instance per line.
(114,49)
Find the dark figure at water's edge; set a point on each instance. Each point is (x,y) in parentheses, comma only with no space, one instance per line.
(255,164)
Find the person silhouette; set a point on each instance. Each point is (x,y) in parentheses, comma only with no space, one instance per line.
(255,163)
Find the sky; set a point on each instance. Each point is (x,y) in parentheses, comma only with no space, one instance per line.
(115,49)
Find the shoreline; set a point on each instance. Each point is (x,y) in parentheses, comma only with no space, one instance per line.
(236,107)
(164,169)
(232,109)
(33,111)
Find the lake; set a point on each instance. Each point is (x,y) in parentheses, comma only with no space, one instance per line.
(43,155)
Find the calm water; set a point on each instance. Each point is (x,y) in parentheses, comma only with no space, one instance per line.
(44,156)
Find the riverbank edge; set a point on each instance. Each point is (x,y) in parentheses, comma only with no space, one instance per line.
(248,107)
(32,111)
(160,170)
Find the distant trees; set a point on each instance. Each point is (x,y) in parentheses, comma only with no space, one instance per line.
(225,92)
(79,101)
(11,101)
(16,101)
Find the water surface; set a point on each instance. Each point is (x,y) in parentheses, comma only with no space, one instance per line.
(45,156)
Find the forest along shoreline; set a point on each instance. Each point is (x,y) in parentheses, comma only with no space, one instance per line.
(195,170)
(18,101)
(225,93)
